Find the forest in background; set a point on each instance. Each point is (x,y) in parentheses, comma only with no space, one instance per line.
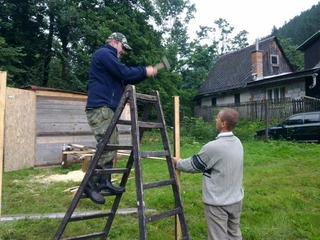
(49,43)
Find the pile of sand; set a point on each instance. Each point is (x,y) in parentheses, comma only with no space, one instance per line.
(75,176)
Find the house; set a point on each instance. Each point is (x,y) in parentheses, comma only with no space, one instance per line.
(256,73)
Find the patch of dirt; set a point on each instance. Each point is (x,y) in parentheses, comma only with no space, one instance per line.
(75,176)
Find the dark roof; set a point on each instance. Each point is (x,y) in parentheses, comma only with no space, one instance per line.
(233,70)
(309,41)
(286,77)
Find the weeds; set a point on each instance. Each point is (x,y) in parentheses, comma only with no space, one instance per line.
(281,182)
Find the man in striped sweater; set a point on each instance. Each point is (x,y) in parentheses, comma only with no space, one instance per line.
(221,163)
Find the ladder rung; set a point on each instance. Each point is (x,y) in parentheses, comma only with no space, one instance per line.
(90,216)
(144,97)
(158,184)
(163,215)
(89,236)
(150,125)
(101,193)
(111,170)
(154,154)
(118,147)
(142,124)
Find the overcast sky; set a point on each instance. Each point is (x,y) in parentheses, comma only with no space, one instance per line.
(255,16)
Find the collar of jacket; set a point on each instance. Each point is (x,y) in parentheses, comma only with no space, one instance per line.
(225,134)
(114,50)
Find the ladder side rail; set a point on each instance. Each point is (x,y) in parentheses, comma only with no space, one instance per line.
(116,202)
(175,187)
(138,170)
(129,93)
(92,165)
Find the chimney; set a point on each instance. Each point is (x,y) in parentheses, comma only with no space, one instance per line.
(257,63)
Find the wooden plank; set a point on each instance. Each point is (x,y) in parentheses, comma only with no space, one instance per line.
(62,128)
(47,93)
(20,115)
(176,127)
(49,148)
(3,85)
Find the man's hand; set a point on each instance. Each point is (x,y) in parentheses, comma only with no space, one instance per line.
(151,71)
(175,160)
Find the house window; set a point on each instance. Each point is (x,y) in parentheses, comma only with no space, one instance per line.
(274,60)
(237,98)
(214,101)
(276,93)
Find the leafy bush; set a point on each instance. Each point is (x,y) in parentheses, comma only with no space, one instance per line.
(196,130)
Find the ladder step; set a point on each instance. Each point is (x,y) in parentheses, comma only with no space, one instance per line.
(145,97)
(110,171)
(142,124)
(154,154)
(90,216)
(150,125)
(163,215)
(89,236)
(158,184)
(118,147)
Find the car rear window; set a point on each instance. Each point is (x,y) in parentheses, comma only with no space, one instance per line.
(312,118)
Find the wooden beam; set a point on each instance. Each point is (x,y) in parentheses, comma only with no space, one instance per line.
(3,86)
(176,129)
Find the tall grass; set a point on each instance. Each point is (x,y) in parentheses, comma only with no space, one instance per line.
(281,182)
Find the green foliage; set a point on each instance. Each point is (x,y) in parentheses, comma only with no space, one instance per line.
(280,180)
(196,130)
(295,57)
(9,57)
(301,27)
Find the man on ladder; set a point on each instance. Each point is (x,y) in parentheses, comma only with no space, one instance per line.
(107,79)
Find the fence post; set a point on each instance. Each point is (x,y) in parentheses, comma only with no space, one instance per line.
(266,109)
(3,86)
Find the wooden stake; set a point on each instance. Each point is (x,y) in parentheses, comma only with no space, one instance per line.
(176,128)
(3,86)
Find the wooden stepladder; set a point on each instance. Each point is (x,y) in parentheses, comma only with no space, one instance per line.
(138,126)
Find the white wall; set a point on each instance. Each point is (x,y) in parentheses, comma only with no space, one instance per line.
(226,99)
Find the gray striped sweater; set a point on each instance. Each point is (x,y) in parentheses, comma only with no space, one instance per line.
(221,162)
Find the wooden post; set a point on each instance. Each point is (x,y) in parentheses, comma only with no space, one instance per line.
(176,128)
(3,86)
(266,106)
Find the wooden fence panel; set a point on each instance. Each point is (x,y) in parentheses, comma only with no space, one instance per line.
(277,109)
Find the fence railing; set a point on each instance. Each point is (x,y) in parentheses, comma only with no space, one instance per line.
(257,110)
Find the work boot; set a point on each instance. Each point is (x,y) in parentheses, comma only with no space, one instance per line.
(92,192)
(106,184)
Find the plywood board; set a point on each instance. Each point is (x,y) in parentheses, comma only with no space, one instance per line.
(20,118)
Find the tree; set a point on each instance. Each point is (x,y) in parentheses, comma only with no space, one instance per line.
(9,57)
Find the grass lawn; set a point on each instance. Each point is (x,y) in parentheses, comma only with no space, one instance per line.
(282,197)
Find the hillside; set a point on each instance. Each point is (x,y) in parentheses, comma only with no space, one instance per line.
(301,27)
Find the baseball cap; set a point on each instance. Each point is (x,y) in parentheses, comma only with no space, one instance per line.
(121,38)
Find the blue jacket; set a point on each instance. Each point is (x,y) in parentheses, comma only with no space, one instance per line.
(108,76)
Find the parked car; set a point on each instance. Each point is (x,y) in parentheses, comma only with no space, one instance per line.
(301,127)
